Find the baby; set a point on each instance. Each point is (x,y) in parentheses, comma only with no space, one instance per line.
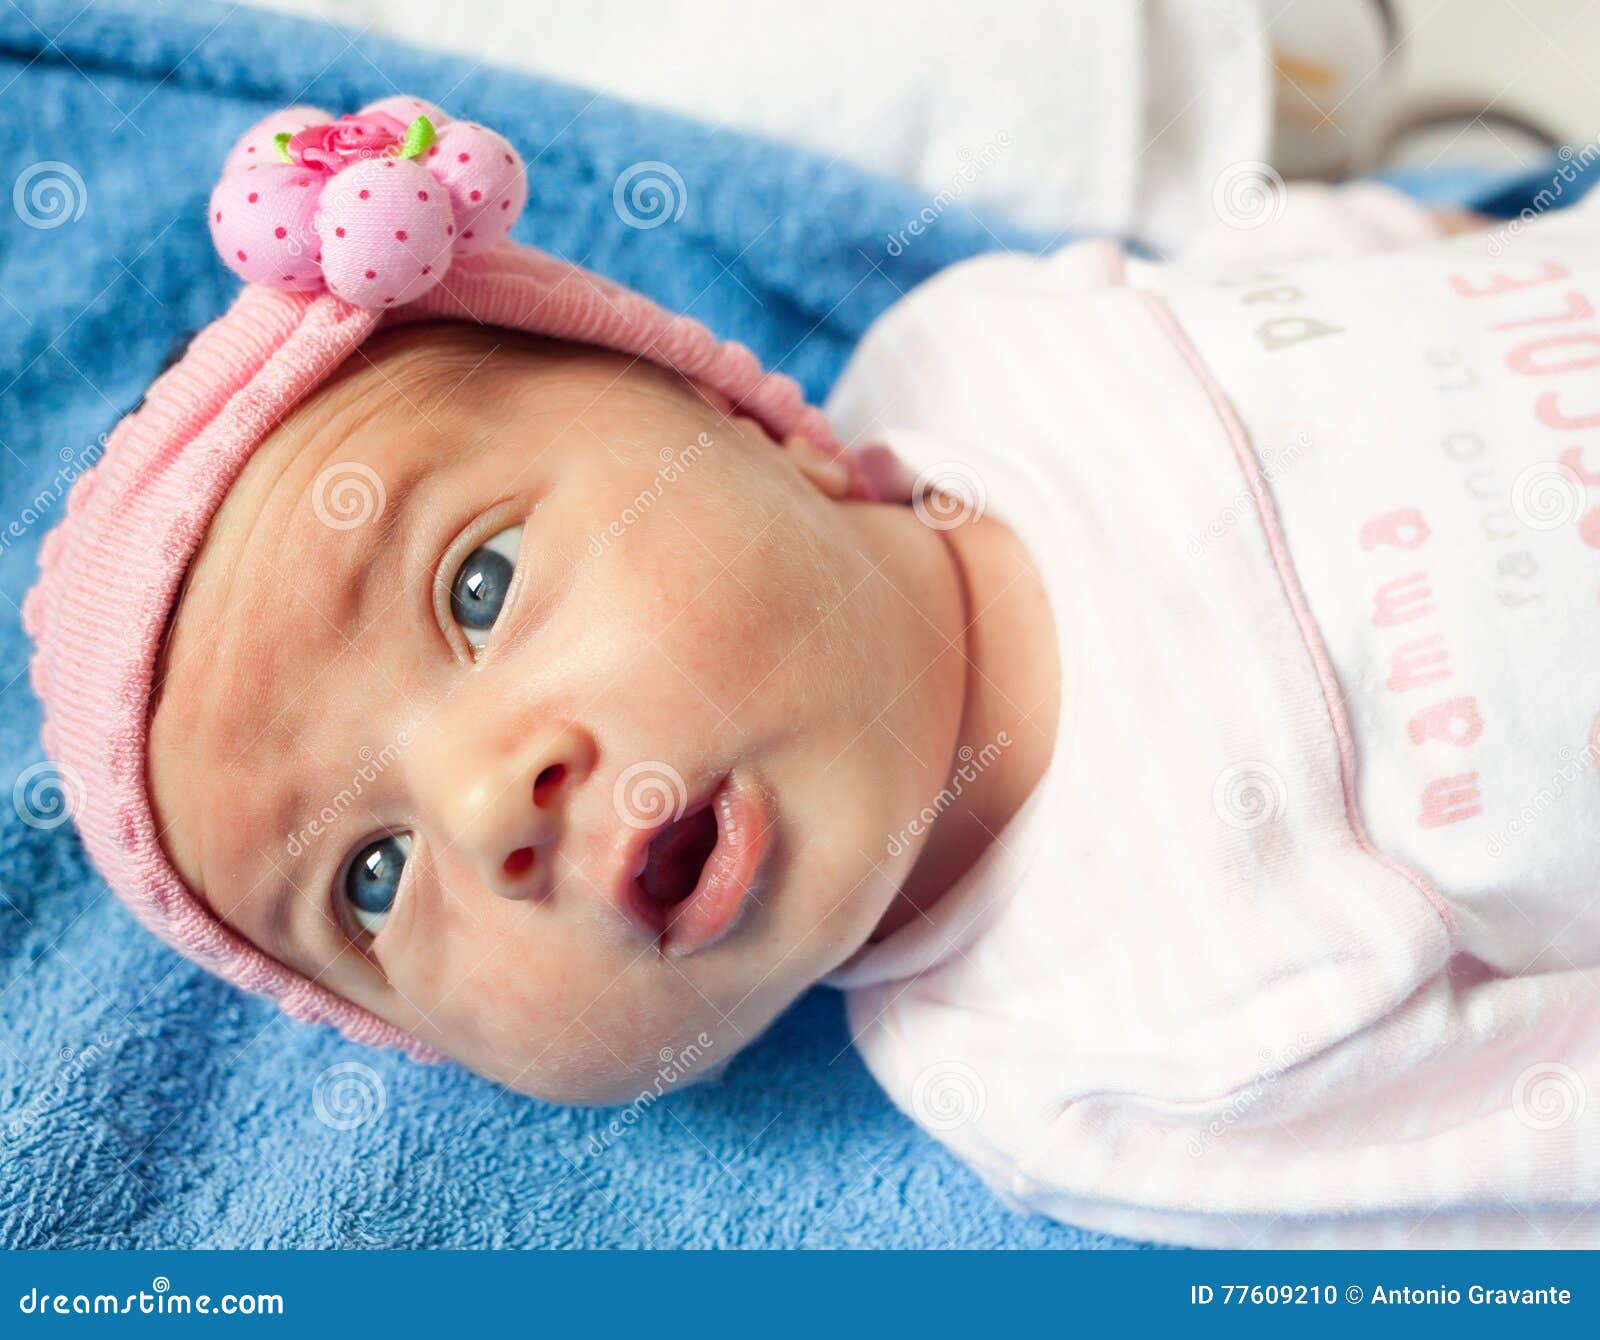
(1162,732)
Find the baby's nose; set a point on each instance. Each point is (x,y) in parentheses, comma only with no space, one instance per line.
(509,813)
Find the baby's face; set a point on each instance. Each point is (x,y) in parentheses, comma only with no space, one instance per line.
(474,625)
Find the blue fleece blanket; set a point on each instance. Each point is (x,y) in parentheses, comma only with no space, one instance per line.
(142,1102)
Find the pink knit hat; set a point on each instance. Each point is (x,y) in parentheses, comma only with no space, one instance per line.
(394,215)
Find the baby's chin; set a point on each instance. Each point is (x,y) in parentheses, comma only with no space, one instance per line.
(601,1082)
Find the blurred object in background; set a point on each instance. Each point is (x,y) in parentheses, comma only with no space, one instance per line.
(1333,84)
(1494,82)
(1113,117)
(1366,84)
(1446,132)
(1118,117)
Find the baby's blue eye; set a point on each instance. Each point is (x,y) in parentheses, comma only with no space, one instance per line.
(478,591)
(372,879)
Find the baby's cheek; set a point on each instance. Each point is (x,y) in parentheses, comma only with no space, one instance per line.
(762,590)
(471,979)
(505,989)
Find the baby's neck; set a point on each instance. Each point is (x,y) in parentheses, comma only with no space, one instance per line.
(1009,710)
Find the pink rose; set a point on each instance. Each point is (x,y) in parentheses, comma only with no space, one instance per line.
(328,147)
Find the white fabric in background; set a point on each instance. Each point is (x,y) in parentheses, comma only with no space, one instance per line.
(1101,117)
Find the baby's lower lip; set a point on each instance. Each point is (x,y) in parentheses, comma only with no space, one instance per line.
(745,819)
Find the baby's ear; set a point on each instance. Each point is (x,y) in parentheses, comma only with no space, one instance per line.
(828,475)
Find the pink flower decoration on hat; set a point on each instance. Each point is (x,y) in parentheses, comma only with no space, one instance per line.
(372,207)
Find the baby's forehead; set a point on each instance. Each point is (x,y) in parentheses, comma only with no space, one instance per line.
(274,595)
(304,556)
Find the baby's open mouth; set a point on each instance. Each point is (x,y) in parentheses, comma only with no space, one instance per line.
(676,857)
(695,873)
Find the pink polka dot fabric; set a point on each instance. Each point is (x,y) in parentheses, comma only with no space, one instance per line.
(351,213)
(318,240)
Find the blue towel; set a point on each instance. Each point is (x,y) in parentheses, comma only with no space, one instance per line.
(142,1102)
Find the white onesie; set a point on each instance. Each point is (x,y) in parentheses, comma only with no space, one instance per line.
(1298,941)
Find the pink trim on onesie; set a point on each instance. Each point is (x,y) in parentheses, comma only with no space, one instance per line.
(1283,561)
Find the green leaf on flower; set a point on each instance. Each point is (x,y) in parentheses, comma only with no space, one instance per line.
(419,135)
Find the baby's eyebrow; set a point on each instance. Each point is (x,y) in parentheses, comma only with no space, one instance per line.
(380,557)
(396,504)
